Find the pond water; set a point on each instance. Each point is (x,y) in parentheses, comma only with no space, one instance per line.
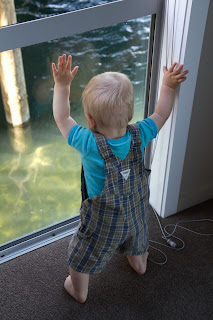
(39,172)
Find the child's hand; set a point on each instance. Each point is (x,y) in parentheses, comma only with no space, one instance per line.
(174,76)
(64,76)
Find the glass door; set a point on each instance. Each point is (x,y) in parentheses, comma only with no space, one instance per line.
(40,173)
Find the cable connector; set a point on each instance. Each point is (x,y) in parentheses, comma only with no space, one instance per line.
(171,243)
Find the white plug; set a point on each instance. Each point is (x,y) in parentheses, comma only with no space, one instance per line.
(171,243)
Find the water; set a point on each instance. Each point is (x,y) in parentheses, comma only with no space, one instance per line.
(40,173)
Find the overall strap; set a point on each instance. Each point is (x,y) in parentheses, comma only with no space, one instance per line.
(136,143)
(135,134)
(103,146)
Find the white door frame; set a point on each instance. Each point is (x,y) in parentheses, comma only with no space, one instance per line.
(186,46)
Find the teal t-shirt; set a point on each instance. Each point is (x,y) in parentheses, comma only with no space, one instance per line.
(84,142)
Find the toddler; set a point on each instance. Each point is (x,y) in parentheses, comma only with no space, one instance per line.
(115,192)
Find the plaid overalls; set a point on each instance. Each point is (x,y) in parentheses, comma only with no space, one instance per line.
(117,219)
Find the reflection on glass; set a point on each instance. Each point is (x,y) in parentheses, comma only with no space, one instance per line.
(27,10)
(39,172)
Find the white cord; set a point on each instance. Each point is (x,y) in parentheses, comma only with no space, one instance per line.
(187,221)
(167,236)
(165,256)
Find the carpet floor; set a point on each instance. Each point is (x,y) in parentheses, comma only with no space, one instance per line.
(31,286)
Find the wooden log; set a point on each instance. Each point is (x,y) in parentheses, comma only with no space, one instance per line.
(20,138)
(12,79)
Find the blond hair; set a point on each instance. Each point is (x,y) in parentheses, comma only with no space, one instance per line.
(109,99)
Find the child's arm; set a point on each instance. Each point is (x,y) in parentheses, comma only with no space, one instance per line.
(61,106)
(171,79)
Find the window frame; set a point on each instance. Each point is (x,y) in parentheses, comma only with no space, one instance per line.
(67,24)
(54,27)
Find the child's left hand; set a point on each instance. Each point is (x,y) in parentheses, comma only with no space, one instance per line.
(64,76)
(174,76)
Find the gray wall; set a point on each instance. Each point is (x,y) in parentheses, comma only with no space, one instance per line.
(197,178)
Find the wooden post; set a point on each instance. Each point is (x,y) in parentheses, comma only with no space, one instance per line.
(20,138)
(12,79)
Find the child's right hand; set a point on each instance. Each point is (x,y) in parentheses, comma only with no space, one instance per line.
(174,76)
(63,76)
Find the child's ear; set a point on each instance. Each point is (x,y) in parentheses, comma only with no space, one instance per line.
(90,121)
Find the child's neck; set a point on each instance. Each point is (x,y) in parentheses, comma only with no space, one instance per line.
(112,133)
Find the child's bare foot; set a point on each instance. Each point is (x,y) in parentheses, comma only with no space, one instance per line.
(69,288)
(139,263)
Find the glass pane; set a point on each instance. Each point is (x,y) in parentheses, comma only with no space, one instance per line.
(27,10)
(39,172)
